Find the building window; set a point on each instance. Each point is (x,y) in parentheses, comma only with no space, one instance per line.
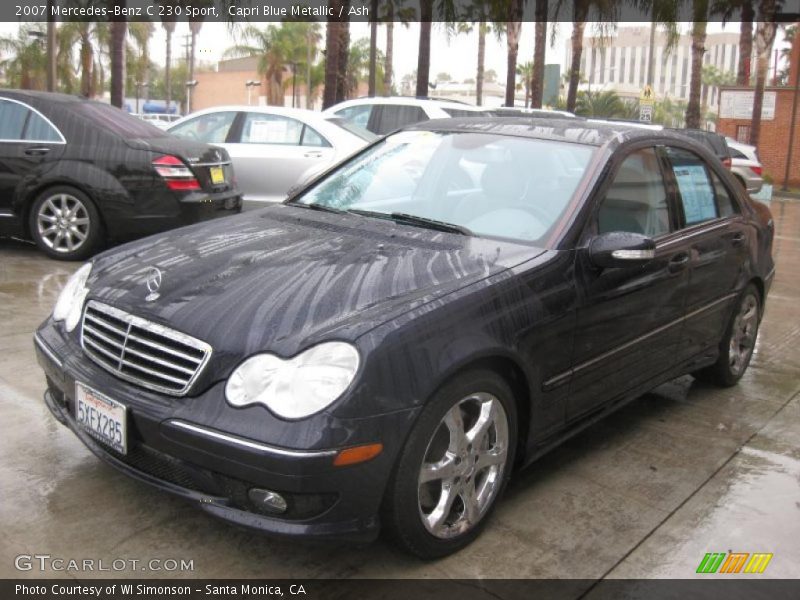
(602,65)
(632,69)
(621,77)
(743,134)
(684,76)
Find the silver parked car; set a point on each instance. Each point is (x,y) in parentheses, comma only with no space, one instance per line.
(272,148)
(746,166)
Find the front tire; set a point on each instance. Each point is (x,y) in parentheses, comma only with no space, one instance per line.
(454,466)
(738,343)
(65,224)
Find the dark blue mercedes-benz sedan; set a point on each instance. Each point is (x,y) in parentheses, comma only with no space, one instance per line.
(388,345)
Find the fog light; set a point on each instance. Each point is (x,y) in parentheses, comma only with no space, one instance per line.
(268,500)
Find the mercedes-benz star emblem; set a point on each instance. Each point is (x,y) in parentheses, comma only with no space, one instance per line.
(153,282)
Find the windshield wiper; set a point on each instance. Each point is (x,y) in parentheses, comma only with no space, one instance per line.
(429,223)
(320,207)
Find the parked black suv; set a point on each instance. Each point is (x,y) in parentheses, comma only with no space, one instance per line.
(75,173)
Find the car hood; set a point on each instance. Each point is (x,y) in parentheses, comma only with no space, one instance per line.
(284,278)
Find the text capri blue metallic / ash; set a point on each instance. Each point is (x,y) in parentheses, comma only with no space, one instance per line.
(384,349)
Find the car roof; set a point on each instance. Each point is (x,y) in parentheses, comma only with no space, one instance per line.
(568,129)
(33,94)
(312,117)
(407,101)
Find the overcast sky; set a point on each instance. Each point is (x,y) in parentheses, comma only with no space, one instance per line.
(456,55)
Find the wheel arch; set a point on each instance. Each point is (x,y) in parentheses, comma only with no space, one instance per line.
(514,375)
(34,193)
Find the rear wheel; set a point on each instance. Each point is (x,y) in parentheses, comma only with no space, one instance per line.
(65,224)
(454,466)
(738,343)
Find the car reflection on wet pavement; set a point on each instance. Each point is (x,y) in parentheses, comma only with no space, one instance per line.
(683,471)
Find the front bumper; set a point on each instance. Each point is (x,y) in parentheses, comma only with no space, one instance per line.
(214,468)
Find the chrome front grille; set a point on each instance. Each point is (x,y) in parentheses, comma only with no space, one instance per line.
(140,351)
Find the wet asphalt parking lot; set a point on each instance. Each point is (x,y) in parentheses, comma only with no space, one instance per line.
(682,471)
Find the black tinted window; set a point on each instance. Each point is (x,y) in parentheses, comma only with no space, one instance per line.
(40,130)
(115,120)
(458,112)
(393,117)
(636,202)
(12,120)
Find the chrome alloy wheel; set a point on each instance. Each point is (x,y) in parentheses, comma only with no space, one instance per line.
(63,223)
(743,334)
(462,470)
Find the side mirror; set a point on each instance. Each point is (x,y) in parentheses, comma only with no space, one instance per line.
(618,249)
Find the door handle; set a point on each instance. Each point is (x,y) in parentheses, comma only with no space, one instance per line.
(37,151)
(738,239)
(313,154)
(678,262)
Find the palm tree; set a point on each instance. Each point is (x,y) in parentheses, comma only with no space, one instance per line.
(700,11)
(358,65)
(744,12)
(606,104)
(373,47)
(139,52)
(424,52)
(262,43)
(119,30)
(344,54)
(513,28)
(580,11)
(169,26)
(394,12)
(539,41)
(331,55)
(525,71)
(26,65)
(765,37)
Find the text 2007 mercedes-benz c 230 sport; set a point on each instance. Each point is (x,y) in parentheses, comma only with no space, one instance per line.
(387,346)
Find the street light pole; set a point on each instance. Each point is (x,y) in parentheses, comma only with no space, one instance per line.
(191,84)
(249,84)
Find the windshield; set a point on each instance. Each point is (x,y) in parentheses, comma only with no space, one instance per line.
(488,185)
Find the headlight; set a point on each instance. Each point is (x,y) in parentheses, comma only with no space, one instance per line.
(70,301)
(297,387)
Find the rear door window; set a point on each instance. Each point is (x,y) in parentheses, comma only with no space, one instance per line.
(703,197)
(209,128)
(12,120)
(260,128)
(39,130)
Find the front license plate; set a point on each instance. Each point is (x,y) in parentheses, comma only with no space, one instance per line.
(101,417)
(217,175)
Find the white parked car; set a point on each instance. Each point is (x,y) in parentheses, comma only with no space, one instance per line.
(746,166)
(382,115)
(272,148)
